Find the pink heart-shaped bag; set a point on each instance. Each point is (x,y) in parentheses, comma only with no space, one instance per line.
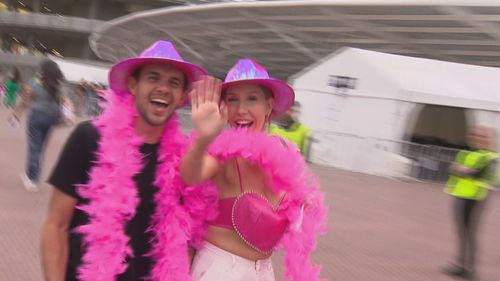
(257,222)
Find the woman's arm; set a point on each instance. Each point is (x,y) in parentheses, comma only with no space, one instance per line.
(197,166)
(209,119)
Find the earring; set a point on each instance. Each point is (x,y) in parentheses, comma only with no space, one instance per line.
(268,116)
(268,120)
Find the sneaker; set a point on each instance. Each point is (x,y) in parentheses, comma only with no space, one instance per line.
(458,272)
(29,185)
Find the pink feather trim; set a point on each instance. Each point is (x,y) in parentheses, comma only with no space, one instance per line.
(287,171)
(180,212)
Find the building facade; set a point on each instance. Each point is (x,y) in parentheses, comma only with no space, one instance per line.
(32,29)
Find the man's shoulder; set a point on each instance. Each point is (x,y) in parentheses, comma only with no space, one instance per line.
(87,127)
(87,131)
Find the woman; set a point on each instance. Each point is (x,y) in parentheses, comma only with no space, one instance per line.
(43,97)
(267,198)
(12,87)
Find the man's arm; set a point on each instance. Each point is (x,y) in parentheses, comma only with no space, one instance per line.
(55,235)
(462,171)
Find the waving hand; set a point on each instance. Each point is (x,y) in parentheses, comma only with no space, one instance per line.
(209,118)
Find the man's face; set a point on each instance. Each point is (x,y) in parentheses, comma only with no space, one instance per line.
(158,91)
(480,138)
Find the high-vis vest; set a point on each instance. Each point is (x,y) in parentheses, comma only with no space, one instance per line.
(297,133)
(471,187)
(492,174)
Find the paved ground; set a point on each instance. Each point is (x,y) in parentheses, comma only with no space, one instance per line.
(381,229)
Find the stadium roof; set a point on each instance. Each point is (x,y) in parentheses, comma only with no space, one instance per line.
(287,36)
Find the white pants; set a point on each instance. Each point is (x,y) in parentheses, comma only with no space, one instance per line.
(211,263)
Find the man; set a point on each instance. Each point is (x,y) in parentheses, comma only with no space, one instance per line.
(118,210)
(2,85)
(80,93)
(91,100)
(471,176)
(289,127)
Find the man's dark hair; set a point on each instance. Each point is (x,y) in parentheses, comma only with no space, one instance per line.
(137,73)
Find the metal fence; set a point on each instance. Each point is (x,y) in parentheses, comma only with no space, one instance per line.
(427,162)
(392,158)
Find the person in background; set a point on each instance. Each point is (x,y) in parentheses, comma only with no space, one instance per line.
(289,127)
(2,76)
(471,176)
(2,84)
(98,91)
(42,97)
(12,87)
(91,99)
(80,93)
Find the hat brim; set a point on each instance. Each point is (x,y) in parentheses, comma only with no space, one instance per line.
(283,94)
(120,72)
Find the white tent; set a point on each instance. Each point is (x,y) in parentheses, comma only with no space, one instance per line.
(76,71)
(353,125)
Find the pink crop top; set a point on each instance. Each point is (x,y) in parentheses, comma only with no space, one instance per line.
(253,217)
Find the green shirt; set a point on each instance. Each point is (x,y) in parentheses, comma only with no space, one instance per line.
(11,89)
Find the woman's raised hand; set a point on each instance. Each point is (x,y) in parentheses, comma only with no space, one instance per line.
(209,118)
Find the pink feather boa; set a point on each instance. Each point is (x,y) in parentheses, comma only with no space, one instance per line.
(287,171)
(180,211)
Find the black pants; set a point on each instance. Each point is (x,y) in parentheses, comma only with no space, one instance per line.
(467,215)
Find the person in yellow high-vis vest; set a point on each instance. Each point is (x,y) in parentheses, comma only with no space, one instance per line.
(471,176)
(289,127)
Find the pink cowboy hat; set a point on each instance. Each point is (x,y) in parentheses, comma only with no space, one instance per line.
(162,52)
(247,71)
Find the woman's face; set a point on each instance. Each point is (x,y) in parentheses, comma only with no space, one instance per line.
(249,106)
